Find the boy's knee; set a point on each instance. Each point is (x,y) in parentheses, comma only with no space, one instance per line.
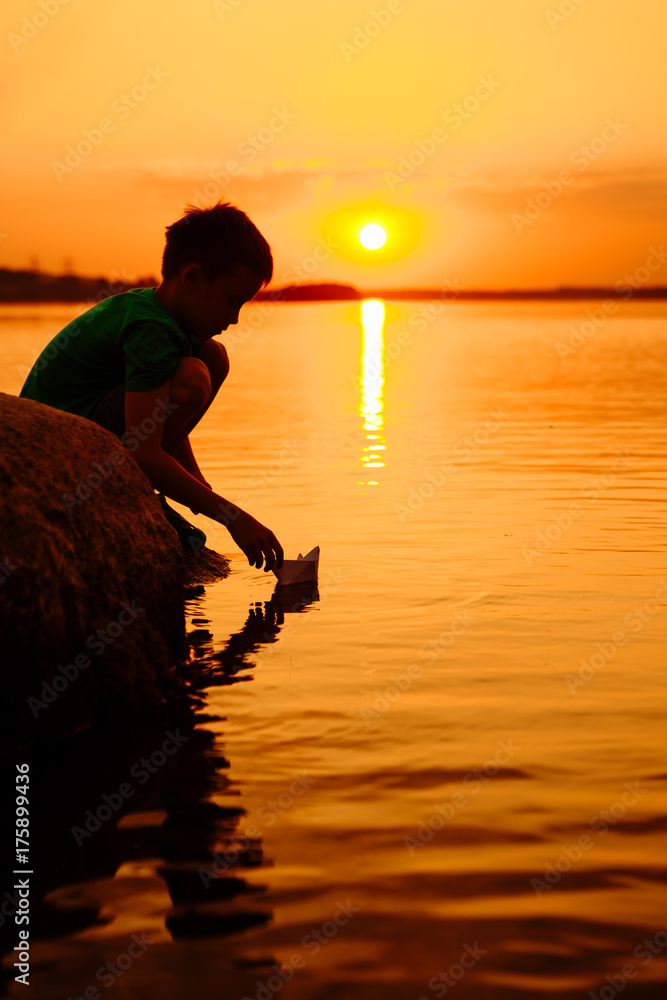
(191,383)
(216,360)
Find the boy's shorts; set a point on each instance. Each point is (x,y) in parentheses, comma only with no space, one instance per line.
(110,411)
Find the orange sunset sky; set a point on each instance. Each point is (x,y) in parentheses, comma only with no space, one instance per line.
(450,123)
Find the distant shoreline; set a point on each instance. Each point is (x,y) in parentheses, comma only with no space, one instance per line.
(37,286)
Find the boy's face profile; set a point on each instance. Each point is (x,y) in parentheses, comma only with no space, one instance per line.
(208,306)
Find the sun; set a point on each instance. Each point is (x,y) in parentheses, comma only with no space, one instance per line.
(371,233)
(372,236)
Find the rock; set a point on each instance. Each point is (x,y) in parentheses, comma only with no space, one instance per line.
(206,566)
(92,577)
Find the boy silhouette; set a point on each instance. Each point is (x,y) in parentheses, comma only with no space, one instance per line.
(144,363)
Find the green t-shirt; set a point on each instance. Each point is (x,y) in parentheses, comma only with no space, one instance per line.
(127,339)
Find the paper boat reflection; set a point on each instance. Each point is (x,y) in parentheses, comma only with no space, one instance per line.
(299,570)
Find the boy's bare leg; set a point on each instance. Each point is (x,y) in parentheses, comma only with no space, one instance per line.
(216,361)
(193,388)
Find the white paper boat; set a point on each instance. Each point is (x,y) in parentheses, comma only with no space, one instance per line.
(299,570)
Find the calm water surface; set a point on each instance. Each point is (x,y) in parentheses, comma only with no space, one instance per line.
(451,754)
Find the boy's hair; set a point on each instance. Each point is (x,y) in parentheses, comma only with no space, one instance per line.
(218,239)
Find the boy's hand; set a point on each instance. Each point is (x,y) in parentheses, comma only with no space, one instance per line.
(256,541)
(187,485)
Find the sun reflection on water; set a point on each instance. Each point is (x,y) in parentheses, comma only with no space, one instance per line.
(371,401)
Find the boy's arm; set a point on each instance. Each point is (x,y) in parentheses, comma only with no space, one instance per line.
(184,455)
(168,477)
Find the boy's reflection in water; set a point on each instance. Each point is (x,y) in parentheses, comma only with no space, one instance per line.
(169,815)
(264,623)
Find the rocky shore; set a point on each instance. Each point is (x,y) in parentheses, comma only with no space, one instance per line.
(92,579)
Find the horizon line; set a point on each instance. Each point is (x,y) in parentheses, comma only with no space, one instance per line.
(335,290)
